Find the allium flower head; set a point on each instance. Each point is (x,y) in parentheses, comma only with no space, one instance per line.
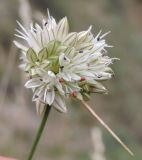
(63,64)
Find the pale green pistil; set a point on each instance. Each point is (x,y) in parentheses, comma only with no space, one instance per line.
(48,57)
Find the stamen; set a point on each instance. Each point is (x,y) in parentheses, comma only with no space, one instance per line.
(103,52)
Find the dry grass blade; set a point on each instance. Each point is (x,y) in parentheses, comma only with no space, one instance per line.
(107,127)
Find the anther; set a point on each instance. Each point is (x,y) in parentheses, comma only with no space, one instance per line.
(36,96)
(45,23)
(99,76)
(65,58)
(61,80)
(80,51)
(82,79)
(61,67)
(74,93)
(30,77)
(98,38)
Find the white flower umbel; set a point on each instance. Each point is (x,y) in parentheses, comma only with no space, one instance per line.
(63,64)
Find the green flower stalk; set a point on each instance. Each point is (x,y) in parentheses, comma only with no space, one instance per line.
(62,64)
(41,128)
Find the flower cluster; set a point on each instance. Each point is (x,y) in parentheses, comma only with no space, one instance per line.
(62,64)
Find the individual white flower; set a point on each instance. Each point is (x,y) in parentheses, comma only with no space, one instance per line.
(61,63)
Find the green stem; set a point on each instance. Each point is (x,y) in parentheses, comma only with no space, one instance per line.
(40,130)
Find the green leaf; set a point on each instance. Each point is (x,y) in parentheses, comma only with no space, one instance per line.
(31,55)
(53,58)
(86,87)
(86,96)
(98,88)
(109,70)
(54,65)
(27,67)
(43,54)
(98,85)
(52,48)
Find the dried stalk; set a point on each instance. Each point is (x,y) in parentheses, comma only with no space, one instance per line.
(106,127)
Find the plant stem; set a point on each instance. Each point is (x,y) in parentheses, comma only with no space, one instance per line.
(40,130)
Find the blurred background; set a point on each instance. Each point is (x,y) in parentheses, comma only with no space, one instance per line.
(75,135)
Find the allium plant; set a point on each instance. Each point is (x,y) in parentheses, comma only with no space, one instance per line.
(62,64)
